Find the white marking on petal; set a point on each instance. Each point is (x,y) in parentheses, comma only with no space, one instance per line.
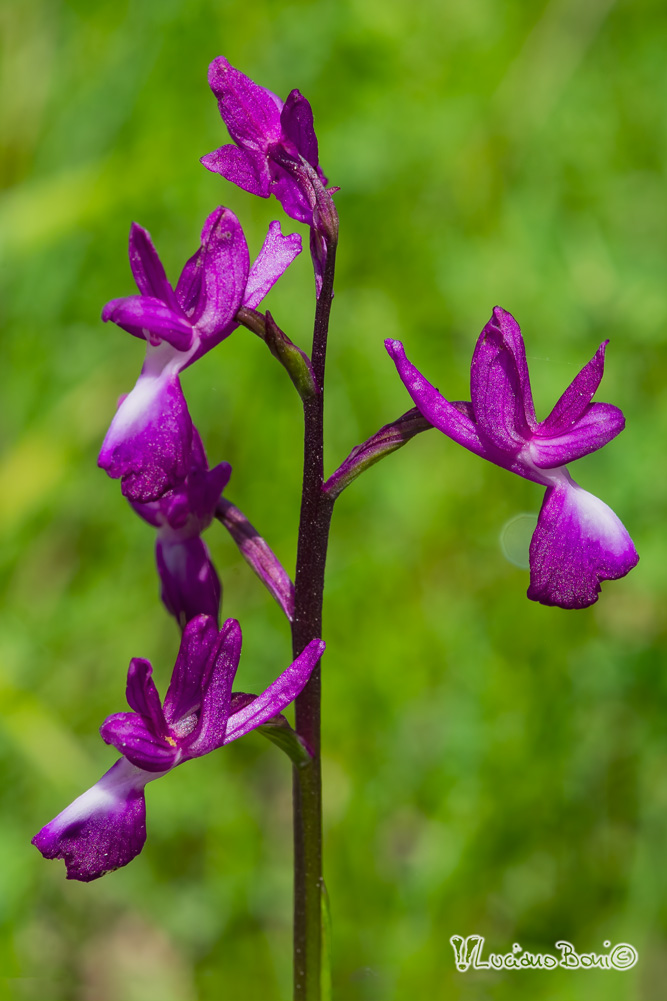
(598,521)
(108,795)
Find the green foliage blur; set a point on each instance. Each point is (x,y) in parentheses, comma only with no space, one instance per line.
(491,766)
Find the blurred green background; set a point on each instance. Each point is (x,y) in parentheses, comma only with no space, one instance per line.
(491,766)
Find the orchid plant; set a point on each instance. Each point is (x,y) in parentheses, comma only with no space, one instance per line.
(158,455)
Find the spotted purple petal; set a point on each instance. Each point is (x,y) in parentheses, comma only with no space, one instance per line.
(578,543)
(103,829)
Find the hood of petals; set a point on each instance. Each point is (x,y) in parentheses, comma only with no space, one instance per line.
(500,386)
(220,280)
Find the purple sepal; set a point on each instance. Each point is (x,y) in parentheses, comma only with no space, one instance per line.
(103,829)
(142,695)
(296,120)
(148,442)
(189,584)
(149,319)
(247,170)
(138,741)
(278,695)
(147,268)
(599,425)
(250,112)
(272,262)
(578,542)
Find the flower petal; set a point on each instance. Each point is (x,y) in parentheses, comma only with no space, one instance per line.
(500,386)
(578,543)
(142,695)
(103,829)
(278,695)
(204,489)
(250,112)
(149,318)
(600,423)
(185,688)
(148,442)
(225,264)
(455,423)
(188,289)
(296,120)
(272,262)
(135,738)
(245,168)
(576,398)
(220,671)
(147,267)
(293,197)
(189,584)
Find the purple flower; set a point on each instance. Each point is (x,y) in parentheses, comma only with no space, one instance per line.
(105,828)
(189,582)
(578,541)
(275,152)
(149,441)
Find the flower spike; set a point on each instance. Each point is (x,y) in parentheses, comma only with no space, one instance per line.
(579,542)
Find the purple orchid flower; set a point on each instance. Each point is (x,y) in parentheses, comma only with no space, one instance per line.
(275,152)
(189,583)
(578,541)
(149,441)
(105,828)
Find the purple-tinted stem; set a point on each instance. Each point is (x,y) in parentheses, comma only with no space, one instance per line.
(316,509)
